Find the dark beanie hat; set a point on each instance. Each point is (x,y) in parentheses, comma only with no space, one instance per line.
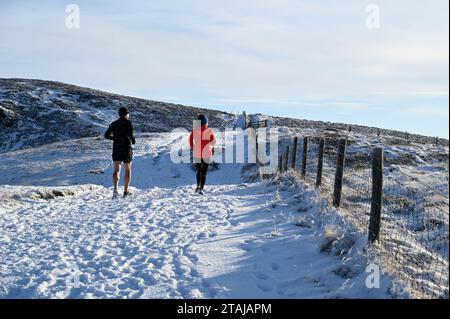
(203,119)
(123,111)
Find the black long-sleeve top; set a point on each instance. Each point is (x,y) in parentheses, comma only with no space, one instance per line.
(121,132)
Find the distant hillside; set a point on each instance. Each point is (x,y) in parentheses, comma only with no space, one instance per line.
(36,112)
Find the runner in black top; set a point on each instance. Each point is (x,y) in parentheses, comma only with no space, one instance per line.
(121,133)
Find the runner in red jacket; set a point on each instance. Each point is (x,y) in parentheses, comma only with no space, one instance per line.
(201,141)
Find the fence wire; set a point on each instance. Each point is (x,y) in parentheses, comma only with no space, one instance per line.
(414,227)
(357,196)
(415,233)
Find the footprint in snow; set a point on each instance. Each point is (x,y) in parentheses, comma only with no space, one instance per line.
(212,233)
(281,292)
(234,223)
(195,273)
(202,235)
(262,276)
(264,287)
(206,283)
(275,266)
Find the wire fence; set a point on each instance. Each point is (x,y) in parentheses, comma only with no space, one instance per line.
(412,225)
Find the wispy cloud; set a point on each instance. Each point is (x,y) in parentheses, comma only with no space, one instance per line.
(414,93)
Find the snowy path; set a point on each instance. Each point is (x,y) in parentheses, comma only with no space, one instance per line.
(133,248)
(121,247)
(240,240)
(163,243)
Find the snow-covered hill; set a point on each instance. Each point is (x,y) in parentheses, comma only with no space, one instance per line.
(262,239)
(36,112)
(240,240)
(245,238)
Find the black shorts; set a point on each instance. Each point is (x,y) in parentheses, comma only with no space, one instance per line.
(122,154)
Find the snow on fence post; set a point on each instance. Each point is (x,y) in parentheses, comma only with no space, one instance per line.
(337,193)
(304,156)
(294,153)
(320,162)
(377,195)
(286,159)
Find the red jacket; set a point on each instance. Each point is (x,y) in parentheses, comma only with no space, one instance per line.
(201,141)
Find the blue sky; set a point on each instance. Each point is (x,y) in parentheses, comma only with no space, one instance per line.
(306,59)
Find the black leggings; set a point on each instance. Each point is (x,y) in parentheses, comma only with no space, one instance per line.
(202,170)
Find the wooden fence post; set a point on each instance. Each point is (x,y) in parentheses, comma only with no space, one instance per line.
(337,194)
(304,156)
(320,162)
(377,195)
(294,153)
(256,147)
(436,141)
(286,159)
(245,119)
(280,164)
